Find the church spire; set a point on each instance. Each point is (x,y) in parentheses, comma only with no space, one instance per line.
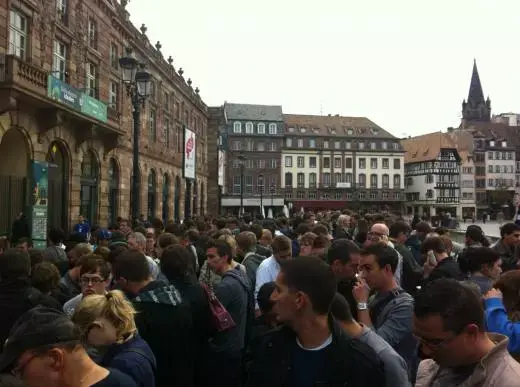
(476,94)
(476,108)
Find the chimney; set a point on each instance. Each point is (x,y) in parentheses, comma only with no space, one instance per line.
(450,129)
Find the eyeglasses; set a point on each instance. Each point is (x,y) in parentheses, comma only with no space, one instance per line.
(91,280)
(434,344)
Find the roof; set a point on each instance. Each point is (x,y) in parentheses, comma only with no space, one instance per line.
(495,131)
(334,126)
(475,94)
(253,112)
(426,147)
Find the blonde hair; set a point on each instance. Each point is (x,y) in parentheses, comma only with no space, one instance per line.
(112,306)
(231,241)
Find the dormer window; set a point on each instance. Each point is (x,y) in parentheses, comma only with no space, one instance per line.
(272,128)
(350,131)
(249,128)
(261,128)
(303,130)
(492,143)
(504,144)
(237,127)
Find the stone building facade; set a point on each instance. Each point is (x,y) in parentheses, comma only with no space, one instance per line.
(54,56)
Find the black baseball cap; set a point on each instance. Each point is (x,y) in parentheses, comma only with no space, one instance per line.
(264,297)
(39,327)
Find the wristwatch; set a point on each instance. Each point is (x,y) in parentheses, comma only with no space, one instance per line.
(362,306)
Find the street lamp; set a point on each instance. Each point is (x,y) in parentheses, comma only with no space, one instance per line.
(273,188)
(242,160)
(138,87)
(261,178)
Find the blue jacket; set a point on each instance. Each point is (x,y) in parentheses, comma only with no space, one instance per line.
(134,358)
(497,321)
(82,228)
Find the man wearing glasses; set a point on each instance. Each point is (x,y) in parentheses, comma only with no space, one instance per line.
(448,322)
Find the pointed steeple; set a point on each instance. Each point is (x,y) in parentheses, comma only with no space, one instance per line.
(476,108)
(476,94)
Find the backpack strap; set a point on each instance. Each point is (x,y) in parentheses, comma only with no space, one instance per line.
(376,310)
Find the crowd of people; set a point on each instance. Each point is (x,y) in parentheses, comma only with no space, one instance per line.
(328,299)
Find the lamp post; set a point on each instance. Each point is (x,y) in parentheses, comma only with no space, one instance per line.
(137,82)
(261,178)
(242,160)
(272,196)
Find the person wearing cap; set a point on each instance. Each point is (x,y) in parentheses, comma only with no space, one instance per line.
(44,350)
(101,238)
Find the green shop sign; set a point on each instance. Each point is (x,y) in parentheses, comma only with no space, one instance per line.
(76,99)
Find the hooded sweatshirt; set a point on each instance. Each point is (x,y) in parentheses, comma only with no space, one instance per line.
(165,322)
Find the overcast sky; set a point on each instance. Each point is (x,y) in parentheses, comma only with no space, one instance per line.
(405,64)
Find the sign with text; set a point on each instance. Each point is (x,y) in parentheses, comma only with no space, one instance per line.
(189,154)
(66,94)
(40,199)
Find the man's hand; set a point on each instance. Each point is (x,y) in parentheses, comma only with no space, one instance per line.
(493,293)
(361,291)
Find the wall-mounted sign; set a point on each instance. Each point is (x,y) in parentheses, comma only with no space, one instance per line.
(189,154)
(40,199)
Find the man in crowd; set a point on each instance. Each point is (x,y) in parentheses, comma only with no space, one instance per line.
(311,350)
(508,246)
(449,323)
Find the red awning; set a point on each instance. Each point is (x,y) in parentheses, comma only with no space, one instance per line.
(320,204)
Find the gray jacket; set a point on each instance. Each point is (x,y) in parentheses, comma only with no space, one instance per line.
(394,325)
(396,370)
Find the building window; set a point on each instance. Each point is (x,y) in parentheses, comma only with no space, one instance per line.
(326,179)
(361,145)
(273,163)
(373,181)
(373,146)
(288,161)
(348,145)
(337,196)
(113,94)
(326,162)
(260,147)
(312,162)
(166,101)
(261,163)
(288,179)
(362,163)
(237,127)
(300,195)
(236,184)
(18,33)
(300,143)
(61,11)
(166,132)
(272,147)
(312,143)
(348,163)
(373,163)
(384,145)
(397,163)
(178,139)
(338,178)
(312,180)
(386,164)
(92,80)
(260,184)
(397,181)
(92,33)
(386,181)
(249,184)
(288,142)
(337,144)
(59,60)
(362,180)
(236,163)
(373,195)
(261,128)
(301,162)
(272,128)
(249,128)
(312,195)
(236,145)
(362,195)
(152,129)
(326,144)
(337,162)
(300,180)
(114,56)
(348,178)
(249,146)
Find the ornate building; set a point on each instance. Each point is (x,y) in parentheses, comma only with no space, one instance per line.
(62,102)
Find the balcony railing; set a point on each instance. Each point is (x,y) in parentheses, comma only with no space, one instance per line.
(442,184)
(14,70)
(448,199)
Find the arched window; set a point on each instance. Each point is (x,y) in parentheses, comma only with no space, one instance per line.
(386,181)
(300,180)
(237,127)
(89,181)
(362,180)
(373,180)
(288,179)
(152,192)
(312,180)
(337,178)
(397,181)
(58,176)
(166,198)
(113,190)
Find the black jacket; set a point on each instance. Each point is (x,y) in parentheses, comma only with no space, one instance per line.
(412,271)
(351,362)
(342,233)
(263,251)
(16,298)
(164,321)
(447,268)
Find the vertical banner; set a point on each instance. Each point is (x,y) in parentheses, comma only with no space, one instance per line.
(39,196)
(189,154)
